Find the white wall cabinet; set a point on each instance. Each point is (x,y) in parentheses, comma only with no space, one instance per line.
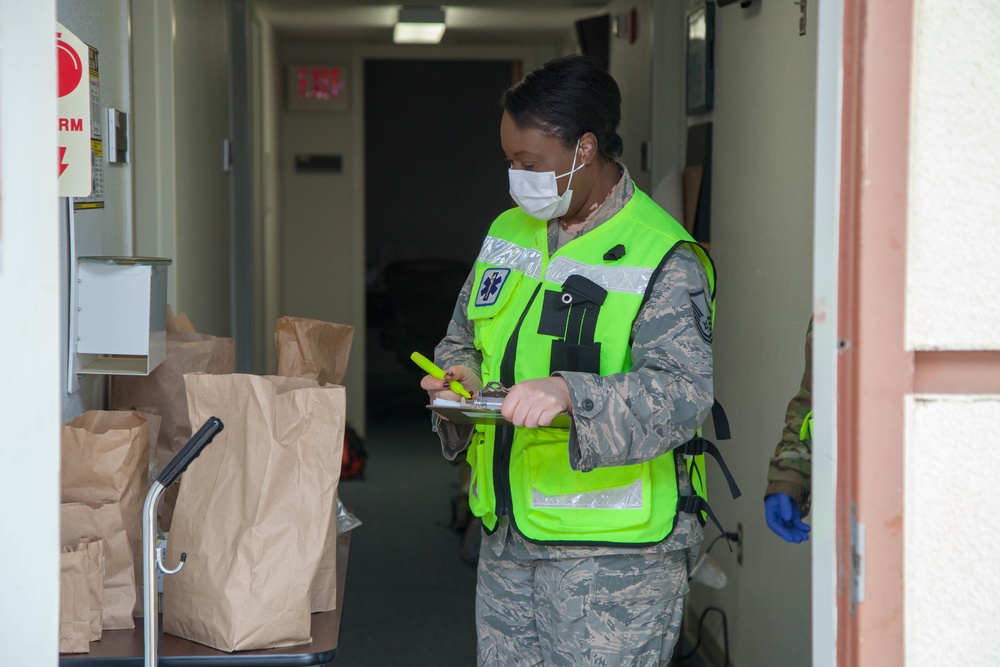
(121,316)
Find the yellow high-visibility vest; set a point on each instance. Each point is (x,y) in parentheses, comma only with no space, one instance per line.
(534,314)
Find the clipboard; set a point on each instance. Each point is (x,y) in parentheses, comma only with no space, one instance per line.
(458,413)
(485,409)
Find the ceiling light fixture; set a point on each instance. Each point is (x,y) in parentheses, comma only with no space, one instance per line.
(419,25)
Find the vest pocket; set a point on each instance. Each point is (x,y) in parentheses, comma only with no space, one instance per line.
(571,317)
(484,312)
(575,358)
(481,484)
(569,502)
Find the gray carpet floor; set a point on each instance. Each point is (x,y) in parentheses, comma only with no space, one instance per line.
(409,599)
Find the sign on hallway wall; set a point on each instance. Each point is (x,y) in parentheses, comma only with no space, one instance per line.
(75,160)
(96,197)
(317,88)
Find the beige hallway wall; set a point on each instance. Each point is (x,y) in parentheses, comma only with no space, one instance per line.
(761,241)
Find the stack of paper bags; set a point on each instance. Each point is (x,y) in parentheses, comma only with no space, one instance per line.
(162,392)
(105,463)
(81,595)
(319,351)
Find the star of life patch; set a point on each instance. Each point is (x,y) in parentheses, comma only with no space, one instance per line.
(490,286)
(702,314)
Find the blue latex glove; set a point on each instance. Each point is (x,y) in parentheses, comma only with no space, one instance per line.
(784,518)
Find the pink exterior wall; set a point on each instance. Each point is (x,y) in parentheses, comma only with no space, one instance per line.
(878,371)
(876,368)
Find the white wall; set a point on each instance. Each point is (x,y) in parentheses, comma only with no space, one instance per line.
(320,239)
(101,24)
(669,129)
(153,134)
(316,210)
(30,288)
(762,234)
(201,123)
(266,76)
(181,81)
(631,65)
(952,591)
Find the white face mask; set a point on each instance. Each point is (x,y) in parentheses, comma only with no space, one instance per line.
(536,191)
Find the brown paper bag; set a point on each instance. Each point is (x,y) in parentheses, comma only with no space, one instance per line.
(153,417)
(94,548)
(154,420)
(253,511)
(74,602)
(86,521)
(178,324)
(319,351)
(313,349)
(163,390)
(323,587)
(105,457)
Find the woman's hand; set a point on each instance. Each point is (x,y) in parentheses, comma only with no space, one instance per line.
(535,403)
(440,388)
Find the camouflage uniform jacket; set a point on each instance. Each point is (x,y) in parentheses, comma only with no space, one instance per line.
(791,465)
(631,417)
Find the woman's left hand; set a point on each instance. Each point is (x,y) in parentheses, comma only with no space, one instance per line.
(535,403)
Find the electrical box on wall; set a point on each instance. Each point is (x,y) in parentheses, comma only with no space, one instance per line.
(117,141)
(121,326)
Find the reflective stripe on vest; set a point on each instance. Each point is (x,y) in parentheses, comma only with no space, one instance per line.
(531,313)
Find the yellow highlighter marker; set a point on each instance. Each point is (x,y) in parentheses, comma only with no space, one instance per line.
(434,371)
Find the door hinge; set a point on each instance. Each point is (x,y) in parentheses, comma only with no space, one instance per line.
(803,5)
(857,560)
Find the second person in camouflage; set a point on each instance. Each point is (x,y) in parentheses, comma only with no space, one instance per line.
(787,498)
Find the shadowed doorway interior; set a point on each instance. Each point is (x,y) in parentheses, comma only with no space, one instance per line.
(435,177)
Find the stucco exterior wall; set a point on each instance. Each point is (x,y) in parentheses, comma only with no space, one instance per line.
(952,592)
(954,176)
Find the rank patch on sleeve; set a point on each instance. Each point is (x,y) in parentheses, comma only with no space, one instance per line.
(702,314)
(490,286)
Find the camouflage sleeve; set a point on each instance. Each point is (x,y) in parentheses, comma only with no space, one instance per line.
(791,465)
(457,348)
(660,403)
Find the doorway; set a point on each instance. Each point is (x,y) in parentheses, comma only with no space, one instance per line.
(435,178)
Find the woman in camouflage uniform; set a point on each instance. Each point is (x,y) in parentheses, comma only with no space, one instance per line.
(578,601)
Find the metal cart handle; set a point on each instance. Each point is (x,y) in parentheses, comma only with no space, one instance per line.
(190,451)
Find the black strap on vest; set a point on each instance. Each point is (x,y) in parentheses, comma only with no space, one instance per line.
(720,421)
(699,445)
(696,505)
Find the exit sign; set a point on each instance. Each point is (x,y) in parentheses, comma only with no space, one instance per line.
(317,87)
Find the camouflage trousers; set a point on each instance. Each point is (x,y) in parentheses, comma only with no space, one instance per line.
(609,610)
